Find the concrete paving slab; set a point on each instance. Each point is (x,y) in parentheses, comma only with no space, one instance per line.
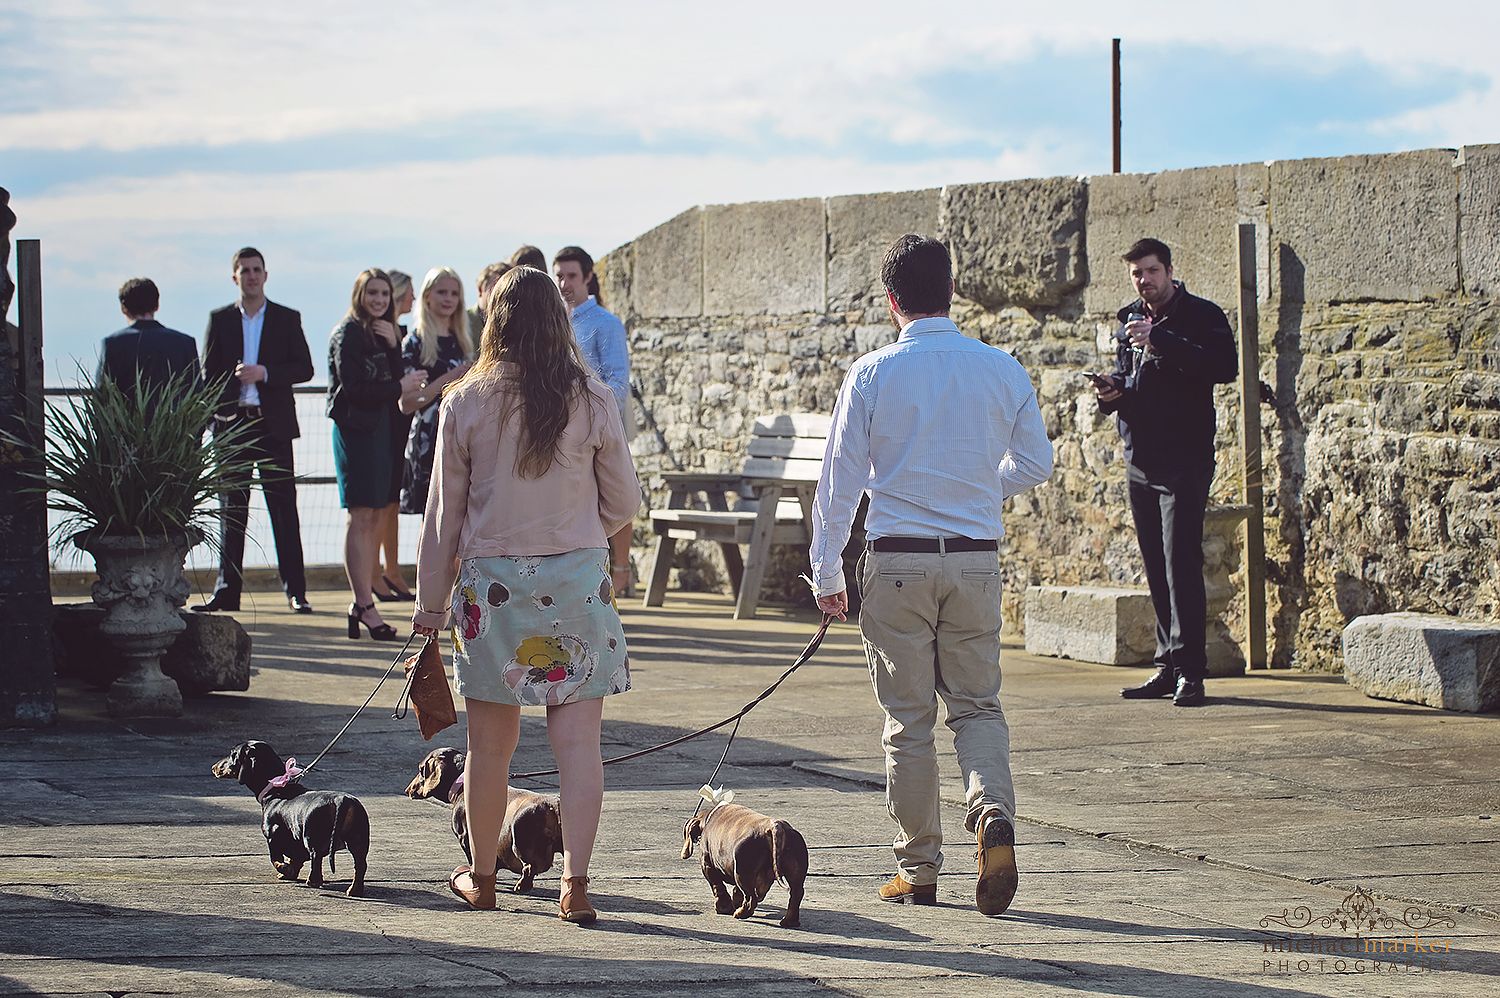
(125,867)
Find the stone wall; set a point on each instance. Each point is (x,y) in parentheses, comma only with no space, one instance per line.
(1378,332)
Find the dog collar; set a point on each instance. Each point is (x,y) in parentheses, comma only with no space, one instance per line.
(292,775)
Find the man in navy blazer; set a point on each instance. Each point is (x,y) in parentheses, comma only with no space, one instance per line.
(259,345)
(145,352)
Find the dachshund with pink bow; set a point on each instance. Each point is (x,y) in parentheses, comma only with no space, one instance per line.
(299,824)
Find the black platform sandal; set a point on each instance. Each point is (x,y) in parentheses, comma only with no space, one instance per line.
(381,632)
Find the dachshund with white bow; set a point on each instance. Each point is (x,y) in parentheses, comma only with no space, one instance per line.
(749,851)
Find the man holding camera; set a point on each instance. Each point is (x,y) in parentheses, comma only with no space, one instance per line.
(1171,349)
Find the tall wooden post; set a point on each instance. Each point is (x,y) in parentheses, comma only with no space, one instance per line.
(28,685)
(32,373)
(1115,103)
(1253,483)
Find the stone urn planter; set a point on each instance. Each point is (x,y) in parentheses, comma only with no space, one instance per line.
(141,588)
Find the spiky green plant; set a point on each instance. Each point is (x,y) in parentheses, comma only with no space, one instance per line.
(136,462)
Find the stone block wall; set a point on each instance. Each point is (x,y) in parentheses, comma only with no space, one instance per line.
(1378,331)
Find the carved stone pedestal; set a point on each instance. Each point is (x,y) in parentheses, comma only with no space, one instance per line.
(140,587)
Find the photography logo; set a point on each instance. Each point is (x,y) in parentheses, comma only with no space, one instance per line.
(1359,937)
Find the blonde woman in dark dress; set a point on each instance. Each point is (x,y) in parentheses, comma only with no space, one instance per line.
(387,581)
(438,346)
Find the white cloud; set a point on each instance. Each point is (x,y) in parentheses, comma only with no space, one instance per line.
(823,79)
(1466,120)
(279,71)
(320,228)
(611,198)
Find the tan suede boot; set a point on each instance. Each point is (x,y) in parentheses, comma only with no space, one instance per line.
(573,903)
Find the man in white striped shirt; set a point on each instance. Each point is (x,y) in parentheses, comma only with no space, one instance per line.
(940,430)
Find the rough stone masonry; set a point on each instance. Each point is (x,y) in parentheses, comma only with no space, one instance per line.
(1378,331)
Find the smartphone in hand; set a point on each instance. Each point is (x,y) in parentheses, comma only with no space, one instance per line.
(1099,381)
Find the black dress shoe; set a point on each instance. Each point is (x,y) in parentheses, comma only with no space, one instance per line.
(1189,693)
(299,604)
(219,602)
(1159,685)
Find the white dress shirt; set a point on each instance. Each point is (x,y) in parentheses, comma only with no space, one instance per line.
(251,326)
(940,429)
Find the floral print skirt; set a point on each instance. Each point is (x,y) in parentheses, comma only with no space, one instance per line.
(538,630)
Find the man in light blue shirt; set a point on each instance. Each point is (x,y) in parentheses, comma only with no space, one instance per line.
(601,337)
(940,430)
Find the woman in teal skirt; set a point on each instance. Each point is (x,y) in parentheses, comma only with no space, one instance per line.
(364,382)
(531,475)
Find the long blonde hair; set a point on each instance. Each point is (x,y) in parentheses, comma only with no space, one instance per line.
(527,324)
(429,328)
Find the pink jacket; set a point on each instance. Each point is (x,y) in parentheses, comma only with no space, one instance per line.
(479,507)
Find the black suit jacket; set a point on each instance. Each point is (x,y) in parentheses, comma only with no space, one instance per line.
(1166,413)
(146,352)
(283,353)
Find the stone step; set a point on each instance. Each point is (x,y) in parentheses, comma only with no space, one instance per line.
(1425,658)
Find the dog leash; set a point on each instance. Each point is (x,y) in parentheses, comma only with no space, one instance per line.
(394,662)
(735,718)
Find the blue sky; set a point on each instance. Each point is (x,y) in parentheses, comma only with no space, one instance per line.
(154,138)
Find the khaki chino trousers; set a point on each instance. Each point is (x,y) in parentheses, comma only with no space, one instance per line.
(931,628)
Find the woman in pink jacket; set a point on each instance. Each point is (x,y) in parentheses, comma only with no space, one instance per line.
(530,478)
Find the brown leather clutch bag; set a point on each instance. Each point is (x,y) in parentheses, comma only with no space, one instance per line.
(427,687)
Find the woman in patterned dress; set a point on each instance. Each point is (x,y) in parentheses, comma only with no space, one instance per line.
(439,347)
(531,475)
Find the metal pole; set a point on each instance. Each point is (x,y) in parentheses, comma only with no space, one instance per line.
(1115,104)
(1252,485)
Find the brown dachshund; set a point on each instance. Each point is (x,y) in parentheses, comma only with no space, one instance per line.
(752,852)
(531,835)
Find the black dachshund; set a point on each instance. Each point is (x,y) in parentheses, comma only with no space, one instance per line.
(299,824)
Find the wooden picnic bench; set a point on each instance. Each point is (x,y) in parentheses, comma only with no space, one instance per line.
(767,503)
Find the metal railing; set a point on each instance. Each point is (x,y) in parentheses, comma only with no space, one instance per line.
(317,497)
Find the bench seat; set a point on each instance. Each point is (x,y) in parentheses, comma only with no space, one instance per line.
(767,503)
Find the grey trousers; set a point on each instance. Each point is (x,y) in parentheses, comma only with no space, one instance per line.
(931,628)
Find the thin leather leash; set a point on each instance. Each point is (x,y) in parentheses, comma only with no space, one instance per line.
(812,646)
(400,710)
(735,718)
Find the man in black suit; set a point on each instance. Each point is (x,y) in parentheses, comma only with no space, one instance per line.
(1172,347)
(145,352)
(260,345)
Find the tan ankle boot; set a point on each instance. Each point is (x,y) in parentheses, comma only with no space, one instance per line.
(481,896)
(573,903)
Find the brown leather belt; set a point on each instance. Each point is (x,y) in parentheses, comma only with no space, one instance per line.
(932,545)
(248,412)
